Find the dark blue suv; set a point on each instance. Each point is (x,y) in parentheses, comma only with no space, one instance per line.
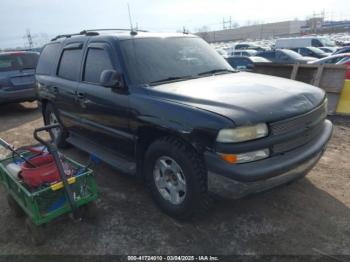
(17,76)
(169,108)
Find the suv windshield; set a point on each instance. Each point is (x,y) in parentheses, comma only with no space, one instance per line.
(151,60)
(18,61)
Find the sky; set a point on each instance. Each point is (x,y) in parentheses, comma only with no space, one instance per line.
(48,18)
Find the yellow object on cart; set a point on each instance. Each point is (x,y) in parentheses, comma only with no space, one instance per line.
(59,185)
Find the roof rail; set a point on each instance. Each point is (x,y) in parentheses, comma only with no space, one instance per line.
(115,29)
(92,32)
(70,35)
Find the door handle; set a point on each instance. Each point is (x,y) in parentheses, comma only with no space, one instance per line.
(81,99)
(80,96)
(55,90)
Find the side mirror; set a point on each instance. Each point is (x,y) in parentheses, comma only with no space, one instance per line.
(111,78)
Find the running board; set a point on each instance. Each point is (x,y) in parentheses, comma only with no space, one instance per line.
(104,154)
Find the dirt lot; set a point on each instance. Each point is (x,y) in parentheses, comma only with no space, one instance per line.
(310,216)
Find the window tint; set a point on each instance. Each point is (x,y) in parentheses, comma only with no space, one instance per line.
(70,64)
(48,59)
(151,60)
(97,60)
(18,61)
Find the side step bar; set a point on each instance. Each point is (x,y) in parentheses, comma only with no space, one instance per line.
(104,154)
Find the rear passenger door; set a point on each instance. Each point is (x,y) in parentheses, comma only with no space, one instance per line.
(66,84)
(103,110)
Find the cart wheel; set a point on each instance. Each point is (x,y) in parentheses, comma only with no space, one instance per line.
(36,233)
(16,209)
(89,211)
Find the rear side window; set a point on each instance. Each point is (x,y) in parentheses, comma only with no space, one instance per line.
(18,61)
(48,59)
(70,64)
(97,60)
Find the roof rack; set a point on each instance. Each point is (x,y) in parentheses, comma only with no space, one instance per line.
(114,29)
(92,32)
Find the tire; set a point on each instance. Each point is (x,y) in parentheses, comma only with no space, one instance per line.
(191,198)
(16,209)
(89,211)
(36,233)
(60,135)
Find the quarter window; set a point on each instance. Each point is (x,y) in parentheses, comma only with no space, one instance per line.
(97,60)
(48,59)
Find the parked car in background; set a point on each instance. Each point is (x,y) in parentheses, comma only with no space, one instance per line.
(332,59)
(17,76)
(246,52)
(329,49)
(342,50)
(295,42)
(170,109)
(245,63)
(222,52)
(244,46)
(311,52)
(285,56)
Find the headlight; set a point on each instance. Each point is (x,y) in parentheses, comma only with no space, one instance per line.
(241,134)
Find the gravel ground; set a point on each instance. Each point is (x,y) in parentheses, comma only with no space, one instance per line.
(308,217)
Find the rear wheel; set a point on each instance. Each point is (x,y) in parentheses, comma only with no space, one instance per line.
(36,233)
(58,135)
(177,178)
(89,211)
(15,208)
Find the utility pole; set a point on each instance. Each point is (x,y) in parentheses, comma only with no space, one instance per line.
(29,38)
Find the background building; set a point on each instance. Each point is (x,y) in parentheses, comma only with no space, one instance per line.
(278,29)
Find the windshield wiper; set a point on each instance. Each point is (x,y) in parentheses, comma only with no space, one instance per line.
(211,72)
(171,78)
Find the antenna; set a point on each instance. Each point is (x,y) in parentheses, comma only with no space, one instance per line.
(131,28)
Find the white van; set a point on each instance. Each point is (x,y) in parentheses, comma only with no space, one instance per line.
(296,42)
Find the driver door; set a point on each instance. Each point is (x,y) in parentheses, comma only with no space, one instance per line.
(104,111)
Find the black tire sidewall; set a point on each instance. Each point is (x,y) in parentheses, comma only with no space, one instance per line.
(162,148)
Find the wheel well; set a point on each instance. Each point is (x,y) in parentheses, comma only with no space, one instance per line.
(146,136)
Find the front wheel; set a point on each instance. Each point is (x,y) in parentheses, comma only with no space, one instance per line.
(177,178)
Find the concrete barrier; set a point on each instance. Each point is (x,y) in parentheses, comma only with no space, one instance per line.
(329,77)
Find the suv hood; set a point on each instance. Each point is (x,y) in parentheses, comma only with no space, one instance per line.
(245,98)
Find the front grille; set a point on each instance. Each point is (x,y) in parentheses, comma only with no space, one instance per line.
(298,141)
(308,126)
(300,122)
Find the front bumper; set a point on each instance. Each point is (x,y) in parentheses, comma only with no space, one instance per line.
(228,188)
(275,166)
(17,96)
